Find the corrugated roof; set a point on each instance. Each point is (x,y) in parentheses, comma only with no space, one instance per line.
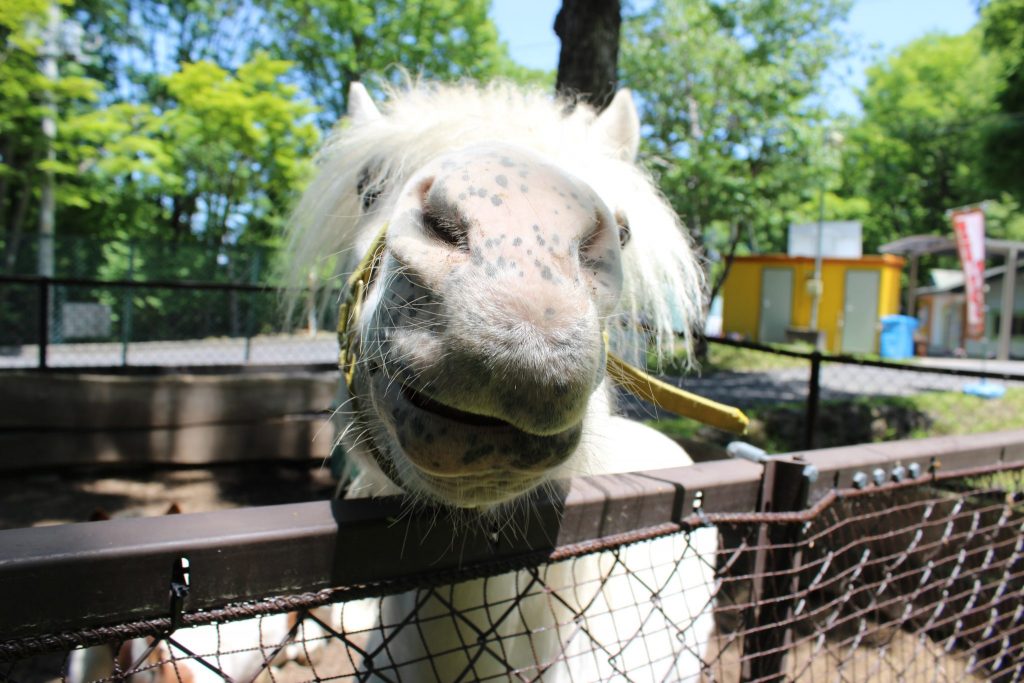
(919,244)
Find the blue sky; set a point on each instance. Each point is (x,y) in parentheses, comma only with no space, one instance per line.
(875,26)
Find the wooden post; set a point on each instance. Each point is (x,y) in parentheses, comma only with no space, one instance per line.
(1007,308)
(785,488)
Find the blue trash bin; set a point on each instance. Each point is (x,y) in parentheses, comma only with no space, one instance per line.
(897,338)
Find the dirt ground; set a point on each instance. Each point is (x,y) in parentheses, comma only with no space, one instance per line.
(45,499)
(48,499)
(894,656)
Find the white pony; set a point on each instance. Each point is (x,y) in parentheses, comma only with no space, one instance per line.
(502,248)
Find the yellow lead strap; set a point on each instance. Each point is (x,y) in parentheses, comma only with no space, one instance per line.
(674,399)
(633,379)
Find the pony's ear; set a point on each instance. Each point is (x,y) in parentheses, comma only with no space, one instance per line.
(361,108)
(619,123)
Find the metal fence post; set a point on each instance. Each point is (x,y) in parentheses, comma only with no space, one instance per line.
(813,397)
(250,321)
(44,320)
(784,488)
(126,307)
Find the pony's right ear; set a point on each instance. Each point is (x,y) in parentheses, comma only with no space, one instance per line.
(361,108)
(619,124)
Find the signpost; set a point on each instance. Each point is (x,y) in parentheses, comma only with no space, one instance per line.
(969,226)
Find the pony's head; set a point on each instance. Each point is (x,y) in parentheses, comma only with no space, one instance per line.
(518,240)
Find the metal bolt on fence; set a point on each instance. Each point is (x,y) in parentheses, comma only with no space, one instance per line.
(878,476)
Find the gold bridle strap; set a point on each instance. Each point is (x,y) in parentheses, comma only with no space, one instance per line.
(351,306)
(632,379)
(672,398)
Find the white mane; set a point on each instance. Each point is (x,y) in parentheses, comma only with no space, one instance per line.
(663,284)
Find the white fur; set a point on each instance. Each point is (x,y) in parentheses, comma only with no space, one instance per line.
(663,283)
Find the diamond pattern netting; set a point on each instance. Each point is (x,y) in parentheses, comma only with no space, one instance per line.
(903,583)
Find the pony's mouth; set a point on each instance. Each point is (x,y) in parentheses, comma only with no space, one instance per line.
(429,405)
(456,457)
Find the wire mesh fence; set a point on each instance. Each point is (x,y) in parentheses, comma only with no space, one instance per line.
(804,399)
(922,580)
(53,322)
(858,564)
(797,399)
(85,256)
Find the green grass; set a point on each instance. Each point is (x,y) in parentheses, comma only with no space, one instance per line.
(677,427)
(778,427)
(723,358)
(958,413)
(1010,481)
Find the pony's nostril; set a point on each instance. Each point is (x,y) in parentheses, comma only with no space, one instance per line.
(445,228)
(441,219)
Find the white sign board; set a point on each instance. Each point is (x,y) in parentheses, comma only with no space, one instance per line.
(839,239)
(85,320)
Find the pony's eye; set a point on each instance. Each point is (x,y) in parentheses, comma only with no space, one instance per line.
(624,231)
(368,187)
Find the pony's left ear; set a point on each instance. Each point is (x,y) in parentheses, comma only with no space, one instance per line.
(361,108)
(619,123)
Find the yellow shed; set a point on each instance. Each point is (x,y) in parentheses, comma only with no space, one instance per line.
(764,296)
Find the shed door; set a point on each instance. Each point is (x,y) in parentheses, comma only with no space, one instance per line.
(860,312)
(776,304)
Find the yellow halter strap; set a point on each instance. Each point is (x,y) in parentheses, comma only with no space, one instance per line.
(673,399)
(352,304)
(632,379)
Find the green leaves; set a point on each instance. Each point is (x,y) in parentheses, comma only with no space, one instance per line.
(725,89)
(1003,138)
(236,140)
(195,121)
(732,93)
(917,151)
(335,42)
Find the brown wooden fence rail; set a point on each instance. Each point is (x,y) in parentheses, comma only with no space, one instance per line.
(877,562)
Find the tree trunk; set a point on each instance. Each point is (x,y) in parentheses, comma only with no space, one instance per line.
(588,62)
(734,242)
(15,230)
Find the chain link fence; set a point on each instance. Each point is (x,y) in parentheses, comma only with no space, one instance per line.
(89,257)
(796,399)
(900,562)
(804,399)
(55,322)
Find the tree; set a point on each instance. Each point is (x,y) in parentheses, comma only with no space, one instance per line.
(727,90)
(239,144)
(588,60)
(336,42)
(1003,30)
(174,124)
(29,154)
(918,149)
(219,165)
